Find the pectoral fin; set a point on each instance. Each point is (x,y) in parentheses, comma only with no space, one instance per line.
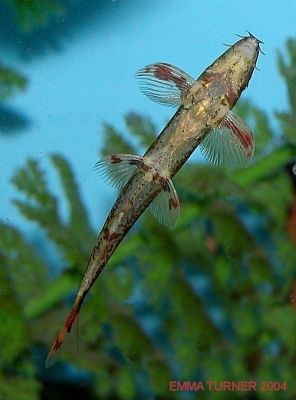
(166,206)
(164,83)
(231,144)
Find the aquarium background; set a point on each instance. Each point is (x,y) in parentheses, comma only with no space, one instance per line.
(212,300)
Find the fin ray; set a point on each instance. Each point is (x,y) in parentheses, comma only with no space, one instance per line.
(164,83)
(166,206)
(117,169)
(231,144)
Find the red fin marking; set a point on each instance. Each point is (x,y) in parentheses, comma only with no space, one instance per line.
(244,137)
(51,358)
(173,203)
(164,72)
(115,159)
(164,83)
(71,319)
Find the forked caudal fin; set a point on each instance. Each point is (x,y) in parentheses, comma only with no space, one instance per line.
(66,328)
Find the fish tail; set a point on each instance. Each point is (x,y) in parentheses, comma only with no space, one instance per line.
(66,328)
(95,266)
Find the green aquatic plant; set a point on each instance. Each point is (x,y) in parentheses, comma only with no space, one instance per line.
(30,14)
(211,300)
(10,81)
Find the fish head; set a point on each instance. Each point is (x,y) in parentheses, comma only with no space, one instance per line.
(246,51)
(232,71)
(240,61)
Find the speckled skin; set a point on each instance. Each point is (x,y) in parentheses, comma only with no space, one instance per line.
(212,96)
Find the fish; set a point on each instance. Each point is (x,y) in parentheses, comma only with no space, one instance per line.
(203,119)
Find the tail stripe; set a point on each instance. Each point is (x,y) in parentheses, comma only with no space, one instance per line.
(66,328)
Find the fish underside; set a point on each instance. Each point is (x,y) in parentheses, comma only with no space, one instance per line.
(203,119)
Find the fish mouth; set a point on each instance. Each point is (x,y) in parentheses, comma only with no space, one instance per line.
(251,36)
(253,39)
(250,41)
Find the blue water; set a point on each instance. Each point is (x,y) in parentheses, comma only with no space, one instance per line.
(80,71)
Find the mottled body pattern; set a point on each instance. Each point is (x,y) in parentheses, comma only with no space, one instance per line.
(204,106)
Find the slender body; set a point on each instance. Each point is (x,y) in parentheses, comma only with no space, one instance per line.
(203,118)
